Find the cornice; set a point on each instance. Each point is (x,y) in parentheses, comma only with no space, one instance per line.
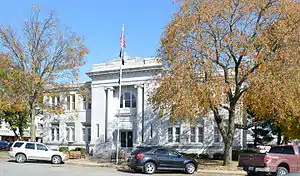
(145,68)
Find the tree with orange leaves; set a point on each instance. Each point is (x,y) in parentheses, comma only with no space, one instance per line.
(218,53)
(44,55)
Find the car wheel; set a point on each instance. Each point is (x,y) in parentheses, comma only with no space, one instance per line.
(190,168)
(281,171)
(20,158)
(56,159)
(149,168)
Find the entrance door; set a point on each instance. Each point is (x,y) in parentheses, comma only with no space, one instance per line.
(126,139)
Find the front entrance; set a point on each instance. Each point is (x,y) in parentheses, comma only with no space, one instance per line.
(126,139)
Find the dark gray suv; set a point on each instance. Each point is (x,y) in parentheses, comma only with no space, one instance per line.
(151,159)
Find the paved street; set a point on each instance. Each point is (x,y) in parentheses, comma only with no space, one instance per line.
(9,167)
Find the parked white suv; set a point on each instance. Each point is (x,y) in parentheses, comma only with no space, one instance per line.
(22,151)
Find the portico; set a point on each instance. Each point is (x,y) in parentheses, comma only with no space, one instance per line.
(109,112)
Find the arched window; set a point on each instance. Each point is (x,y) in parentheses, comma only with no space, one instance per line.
(128,100)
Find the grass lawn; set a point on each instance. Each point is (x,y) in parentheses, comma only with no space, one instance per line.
(217,165)
(3,153)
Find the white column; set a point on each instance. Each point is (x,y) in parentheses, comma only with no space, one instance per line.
(139,110)
(55,100)
(77,130)
(98,113)
(109,120)
(71,101)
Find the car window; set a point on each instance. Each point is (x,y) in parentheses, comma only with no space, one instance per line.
(41,147)
(30,146)
(161,151)
(141,150)
(173,153)
(18,144)
(282,150)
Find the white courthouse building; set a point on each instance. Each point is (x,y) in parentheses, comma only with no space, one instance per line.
(94,123)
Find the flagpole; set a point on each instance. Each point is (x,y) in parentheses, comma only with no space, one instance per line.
(120,92)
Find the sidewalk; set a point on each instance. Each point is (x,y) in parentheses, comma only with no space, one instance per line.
(87,162)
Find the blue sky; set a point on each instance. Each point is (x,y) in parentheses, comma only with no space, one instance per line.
(100,22)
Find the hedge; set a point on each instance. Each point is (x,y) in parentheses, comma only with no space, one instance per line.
(82,150)
(63,149)
(195,155)
(235,154)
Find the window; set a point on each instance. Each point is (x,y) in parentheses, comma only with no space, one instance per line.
(161,152)
(141,150)
(55,132)
(53,101)
(177,134)
(128,100)
(52,134)
(67,134)
(84,103)
(89,133)
(83,134)
(73,101)
(173,154)
(68,102)
(30,146)
(289,150)
(18,144)
(170,134)
(86,133)
(193,134)
(151,131)
(98,130)
(70,132)
(216,134)
(73,133)
(57,100)
(41,147)
(200,134)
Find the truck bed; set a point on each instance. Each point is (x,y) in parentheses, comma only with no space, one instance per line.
(252,159)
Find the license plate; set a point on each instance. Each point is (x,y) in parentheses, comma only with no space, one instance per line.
(250,168)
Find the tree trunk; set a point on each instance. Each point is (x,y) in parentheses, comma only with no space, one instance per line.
(32,125)
(279,137)
(227,160)
(255,136)
(228,135)
(16,134)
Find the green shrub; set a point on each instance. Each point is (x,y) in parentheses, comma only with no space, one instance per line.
(191,155)
(82,150)
(63,149)
(203,156)
(218,156)
(236,153)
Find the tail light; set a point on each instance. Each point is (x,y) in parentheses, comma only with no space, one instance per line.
(10,149)
(139,156)
(267,159)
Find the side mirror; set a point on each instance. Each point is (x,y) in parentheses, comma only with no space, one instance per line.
(46,149)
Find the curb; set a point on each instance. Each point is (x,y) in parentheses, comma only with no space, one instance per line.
(222,171)
(5,157)
(127,168)
(97,165)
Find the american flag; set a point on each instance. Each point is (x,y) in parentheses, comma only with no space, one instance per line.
(122,40)
(123,45)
